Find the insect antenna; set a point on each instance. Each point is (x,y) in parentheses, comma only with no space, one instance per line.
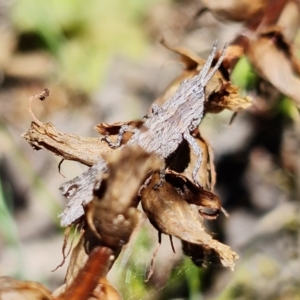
(207,64)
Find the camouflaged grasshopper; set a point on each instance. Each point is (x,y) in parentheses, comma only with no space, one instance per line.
(168,125)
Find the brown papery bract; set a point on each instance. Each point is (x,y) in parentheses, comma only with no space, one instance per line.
(273,62)
(11,288)
(85,150)
(171,214)
(235,10)
(112,214)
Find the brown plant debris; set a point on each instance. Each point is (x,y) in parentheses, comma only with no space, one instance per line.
(66,145)
(104,199)
(111,218)
(112,214)
(11,288)
(170,213)
(271,28)
(85,150)
(272,59)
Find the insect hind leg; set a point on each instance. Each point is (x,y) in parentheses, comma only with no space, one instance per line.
(192,142)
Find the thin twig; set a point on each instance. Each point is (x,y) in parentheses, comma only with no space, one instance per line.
(42,96)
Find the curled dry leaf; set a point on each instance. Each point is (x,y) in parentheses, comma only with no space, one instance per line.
(85,150)
(227,97)
(219,92)
(289,20)
(112,214)
(190,60)
(192,194)
(79,191)
(273,63)
(270,50)
(272,26)
(26,290)
(111,219)
(235,10)
(69,146)
(170,213)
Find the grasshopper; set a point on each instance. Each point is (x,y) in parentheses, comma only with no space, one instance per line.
(168,125)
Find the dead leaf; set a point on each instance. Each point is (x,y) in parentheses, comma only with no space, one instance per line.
(191,61)
(171,214)
(273,63)
(235,10)
(69,146)
(289,21)
(273,26)
(112,214)
(227,98)
(192,194)
(11,288)
(111,219)
(269,15)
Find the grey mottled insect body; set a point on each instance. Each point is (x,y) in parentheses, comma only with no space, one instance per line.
(168,125)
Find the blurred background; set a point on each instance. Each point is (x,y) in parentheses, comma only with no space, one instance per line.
(102,62)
